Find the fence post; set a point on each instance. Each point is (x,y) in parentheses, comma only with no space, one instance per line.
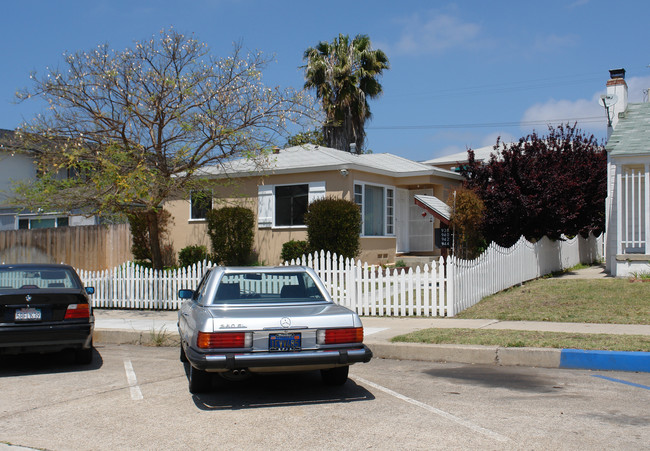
(450,289)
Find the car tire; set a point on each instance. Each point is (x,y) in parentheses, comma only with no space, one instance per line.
(83,356)
(183,356)
(199,380)
(335,376)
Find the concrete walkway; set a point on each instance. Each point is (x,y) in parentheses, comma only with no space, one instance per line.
(156,327)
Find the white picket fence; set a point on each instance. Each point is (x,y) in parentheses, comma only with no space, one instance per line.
(131,286)
(434,290)
(373,290)
(499,268)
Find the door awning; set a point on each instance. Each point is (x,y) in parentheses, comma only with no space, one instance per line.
(434,206)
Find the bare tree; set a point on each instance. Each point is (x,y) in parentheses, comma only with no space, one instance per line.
(137,125)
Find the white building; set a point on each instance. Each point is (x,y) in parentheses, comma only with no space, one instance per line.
(19,165)
(628,172)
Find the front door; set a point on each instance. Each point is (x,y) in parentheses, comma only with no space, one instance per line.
(420,228)
(402,219)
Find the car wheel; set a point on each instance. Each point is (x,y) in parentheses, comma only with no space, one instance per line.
(199,380)
(83,356)
(335,376)
(183,356)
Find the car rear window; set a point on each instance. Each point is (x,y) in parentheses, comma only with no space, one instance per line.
(267,287)
(21,278)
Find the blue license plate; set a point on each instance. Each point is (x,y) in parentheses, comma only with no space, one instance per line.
(284,342)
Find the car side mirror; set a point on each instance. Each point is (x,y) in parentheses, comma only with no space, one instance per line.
(90,290)
(186,294)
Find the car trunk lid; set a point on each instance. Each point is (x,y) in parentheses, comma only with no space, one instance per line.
(20,306)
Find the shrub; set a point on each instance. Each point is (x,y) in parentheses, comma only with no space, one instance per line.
(192,254)
(231,233)
(293,250)
(334,225)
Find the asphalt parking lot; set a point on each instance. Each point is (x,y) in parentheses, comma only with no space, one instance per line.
(135,397)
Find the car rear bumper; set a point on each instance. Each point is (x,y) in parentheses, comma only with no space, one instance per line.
(231,361)
(44,337)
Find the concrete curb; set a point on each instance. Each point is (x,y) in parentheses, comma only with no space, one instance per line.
(474,354)
(469,354)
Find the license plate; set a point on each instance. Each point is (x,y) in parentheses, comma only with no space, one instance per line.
(28,314)
(284,342)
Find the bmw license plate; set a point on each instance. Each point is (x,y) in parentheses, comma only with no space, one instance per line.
(28,314)
(284,342)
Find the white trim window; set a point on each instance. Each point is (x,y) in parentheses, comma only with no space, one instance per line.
(286,205)
(200,204)
(377,203)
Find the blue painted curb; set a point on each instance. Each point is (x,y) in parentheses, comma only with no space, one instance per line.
(605,360)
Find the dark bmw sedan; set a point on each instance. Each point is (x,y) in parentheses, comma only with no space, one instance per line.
(45,308)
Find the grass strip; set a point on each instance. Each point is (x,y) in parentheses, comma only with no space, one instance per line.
(605,301)
(533,339)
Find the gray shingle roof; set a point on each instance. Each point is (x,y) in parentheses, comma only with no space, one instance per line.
(632,133)
(311,158)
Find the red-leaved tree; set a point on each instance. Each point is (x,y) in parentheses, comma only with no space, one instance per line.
(542,185)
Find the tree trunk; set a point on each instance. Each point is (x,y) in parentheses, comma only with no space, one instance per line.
(154,240)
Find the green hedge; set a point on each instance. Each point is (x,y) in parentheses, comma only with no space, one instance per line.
(192,254)
(334,225)
(231,233)
(293,250)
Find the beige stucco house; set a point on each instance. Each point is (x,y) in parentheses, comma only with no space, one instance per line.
(279,189)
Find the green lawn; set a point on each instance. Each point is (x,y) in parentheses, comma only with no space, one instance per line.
(612,301)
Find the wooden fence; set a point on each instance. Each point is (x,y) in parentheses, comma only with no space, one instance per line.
(369,290)
(95,248)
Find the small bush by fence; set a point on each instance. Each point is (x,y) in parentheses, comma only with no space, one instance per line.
(369,290)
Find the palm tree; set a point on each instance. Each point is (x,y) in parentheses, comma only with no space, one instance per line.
(344,75)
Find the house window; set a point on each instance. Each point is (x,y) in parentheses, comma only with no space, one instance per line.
(42,223)
(291,204)
(377,209)
(200,203)
(390,211)
(286,205)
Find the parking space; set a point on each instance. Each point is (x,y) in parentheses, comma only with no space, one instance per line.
(135,397)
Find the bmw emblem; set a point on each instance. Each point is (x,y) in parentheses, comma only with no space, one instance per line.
(285,322)
(28,298)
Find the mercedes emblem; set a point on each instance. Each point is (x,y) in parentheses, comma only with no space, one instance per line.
(285,322)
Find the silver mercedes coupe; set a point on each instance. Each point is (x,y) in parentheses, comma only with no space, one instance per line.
(243,320)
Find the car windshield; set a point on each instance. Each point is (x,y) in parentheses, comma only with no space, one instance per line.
(22,278)
(267,287)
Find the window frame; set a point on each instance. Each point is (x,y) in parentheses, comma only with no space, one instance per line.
(204,218)
(275,206)
(266,203)
(388,211)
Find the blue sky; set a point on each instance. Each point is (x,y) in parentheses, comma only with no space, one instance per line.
(462,73)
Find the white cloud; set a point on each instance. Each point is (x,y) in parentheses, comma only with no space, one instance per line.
(491,139)
(589,114)
(562,111)
(434,33)
(635,88)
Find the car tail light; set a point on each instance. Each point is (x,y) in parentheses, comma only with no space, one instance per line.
(77,311)
(207,340)
(339,336)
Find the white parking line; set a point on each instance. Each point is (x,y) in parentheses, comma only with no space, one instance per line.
(439,412)
(136,393)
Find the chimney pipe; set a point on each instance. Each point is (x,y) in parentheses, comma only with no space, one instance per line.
(617,73)
(617,89)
